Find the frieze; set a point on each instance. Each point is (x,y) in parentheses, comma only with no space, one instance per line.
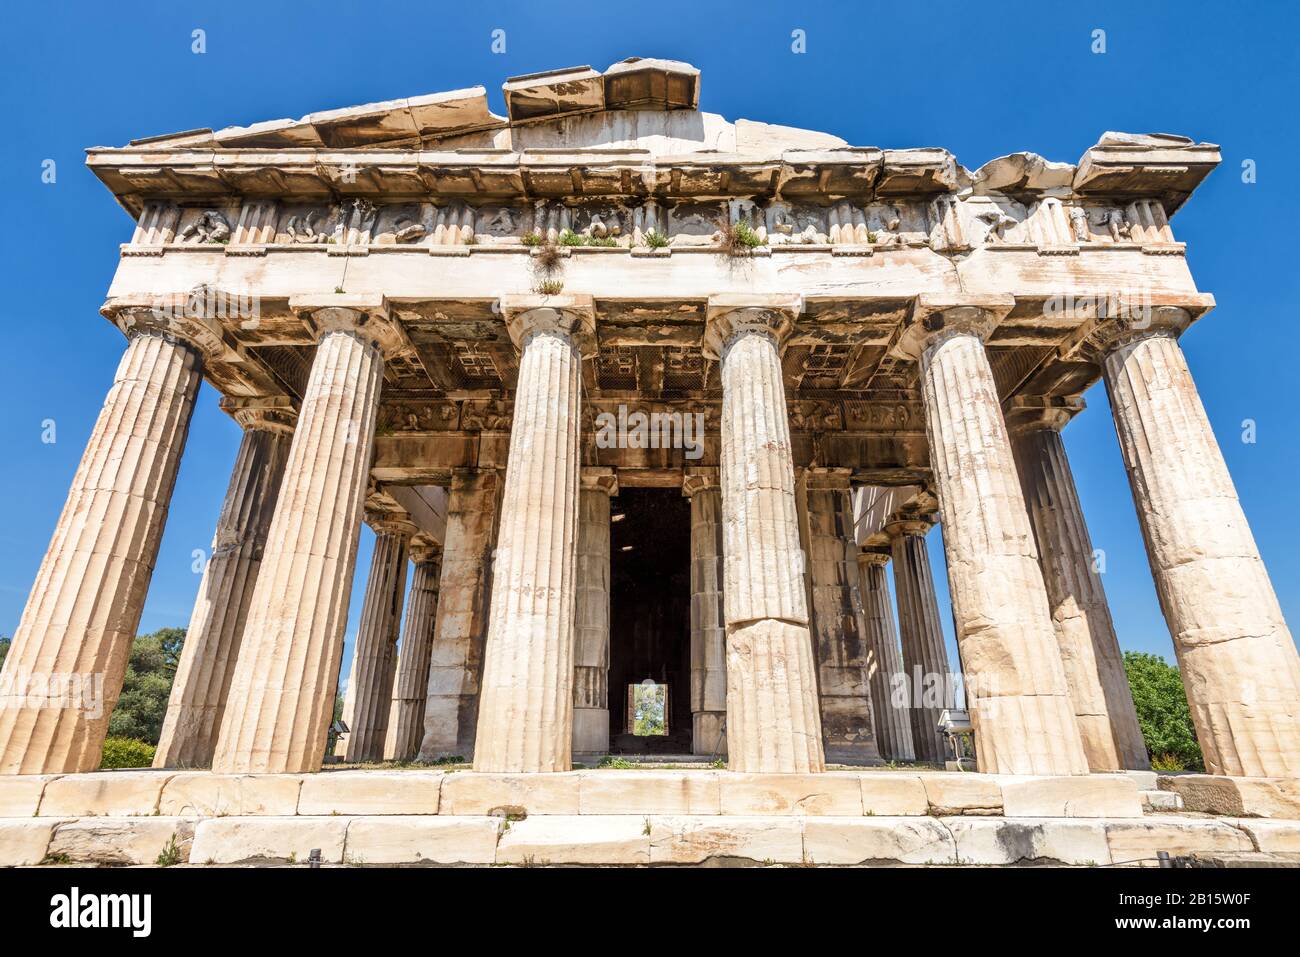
(951,223)
(812,416)
(883,416)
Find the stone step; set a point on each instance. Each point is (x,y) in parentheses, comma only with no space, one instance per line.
(1238,797)
(1161,801)
(634,840)
(590,792)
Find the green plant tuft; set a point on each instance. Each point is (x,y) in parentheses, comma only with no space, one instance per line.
(126,753)
(170,854)
(739,239)
(617,764)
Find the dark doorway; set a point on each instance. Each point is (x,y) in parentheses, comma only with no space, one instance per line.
(650,614)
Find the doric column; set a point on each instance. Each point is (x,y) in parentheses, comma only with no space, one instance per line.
(525,721)
(460,626)
(708,621)
(282,694)
(198,696)
(929,680)
(772,709)
(68,659)
(591,628)
(844,694)
(1020,705)
(410,691)
(1094,666)
(884,663)
(369,698)
(1238,660)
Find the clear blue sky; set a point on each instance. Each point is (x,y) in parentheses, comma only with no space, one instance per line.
(982,80)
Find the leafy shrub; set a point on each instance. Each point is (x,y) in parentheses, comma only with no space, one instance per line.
(126,753)
(147,686)
(1167,762)
(1162,711)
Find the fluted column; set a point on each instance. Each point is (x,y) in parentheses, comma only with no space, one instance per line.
(525,720)
(410,691)
(1085,633)
(708,620)
(884,662)
(282,694)
(591,628)
(1020,706)
(844,694)
(929,680)
(460,625)
(1237,657)
(68,659)
(369,698)
(207,662)
(773,722)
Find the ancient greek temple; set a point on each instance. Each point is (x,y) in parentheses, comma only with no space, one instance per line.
(633,395)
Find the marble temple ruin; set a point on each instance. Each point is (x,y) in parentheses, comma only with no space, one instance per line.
(628,391)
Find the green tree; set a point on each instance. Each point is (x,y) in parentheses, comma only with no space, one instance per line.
(149,673)
(5,642)
(1162,711)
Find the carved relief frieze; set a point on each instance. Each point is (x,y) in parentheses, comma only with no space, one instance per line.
(486,415)
(1052,224)
(696,224)
(403,224)
(816,416)
(883,416)
(1002,220)
(501,224)
(788,225)
(602,223)
(418,416)
(953,223)
(206,225)
(306,223)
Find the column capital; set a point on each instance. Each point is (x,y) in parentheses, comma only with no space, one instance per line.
(868,555)
(423,553)
(1118,321)
(594,478)
(271,413)
(734,314)
(193,318)
(391,523)
(700,479)
(827,478)
(573,316)
(366,316)
(912,525)
(935,318)
(1034,413)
